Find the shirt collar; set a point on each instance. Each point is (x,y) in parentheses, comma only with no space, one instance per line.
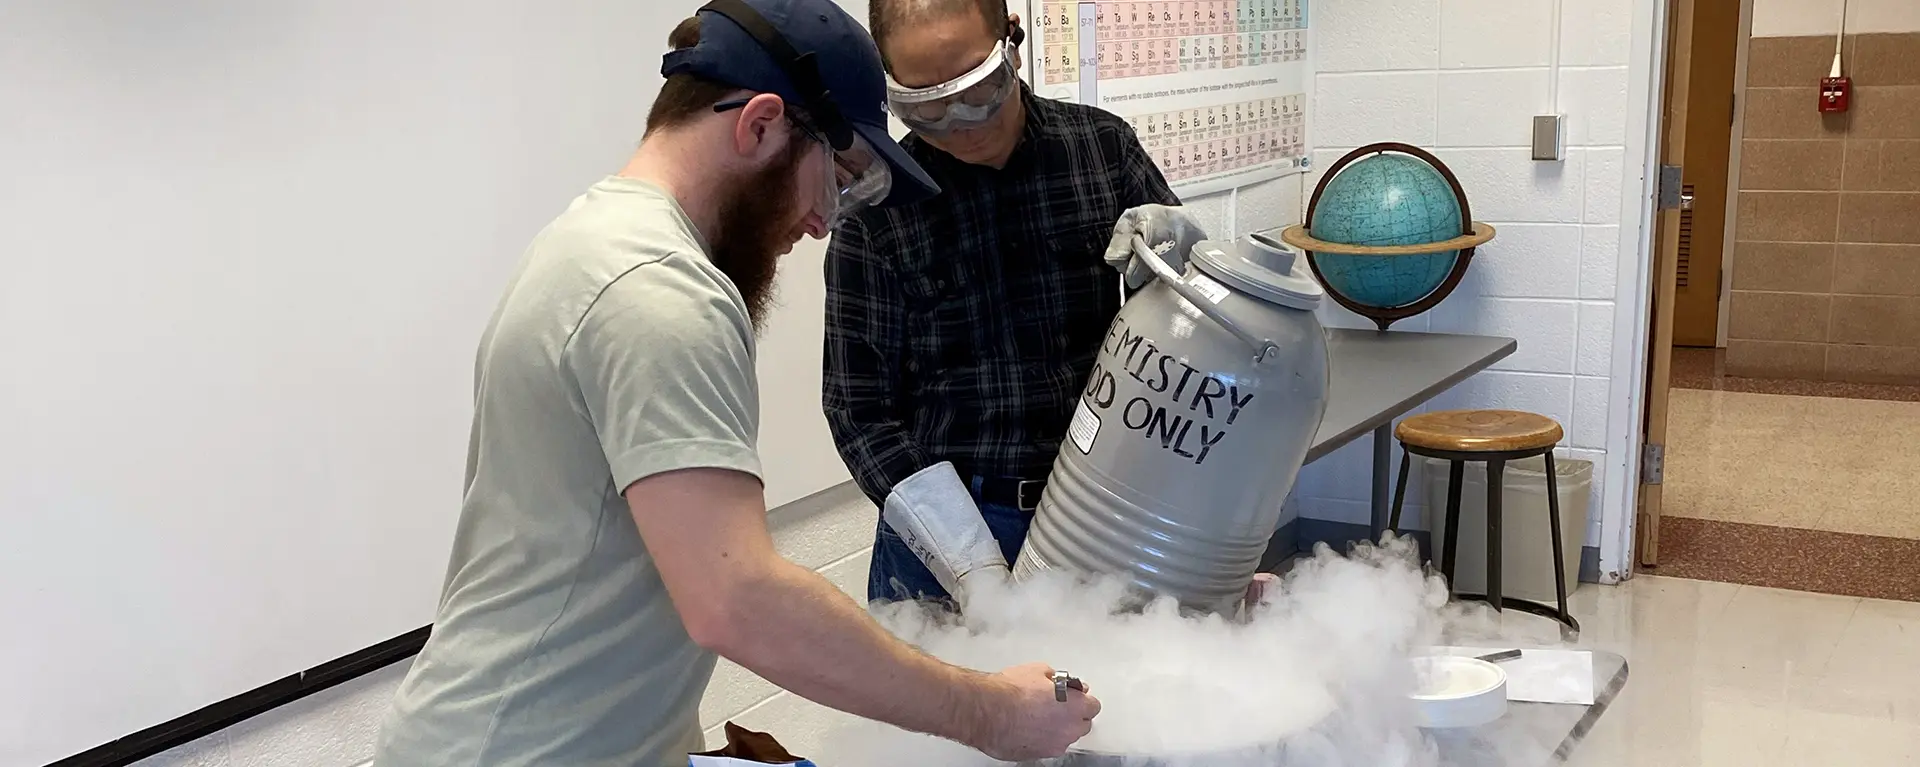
(1032,132)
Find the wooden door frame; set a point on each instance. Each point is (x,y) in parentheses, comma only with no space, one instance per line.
(1633,297)
(1660,287)
(1740,51)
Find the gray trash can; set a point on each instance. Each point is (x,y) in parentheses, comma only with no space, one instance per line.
(1526,565)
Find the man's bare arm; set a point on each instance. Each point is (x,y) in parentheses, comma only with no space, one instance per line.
(707,532)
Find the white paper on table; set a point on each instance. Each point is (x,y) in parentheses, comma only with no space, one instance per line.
(1541,676)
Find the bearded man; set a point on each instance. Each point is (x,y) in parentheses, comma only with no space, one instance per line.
(613,537)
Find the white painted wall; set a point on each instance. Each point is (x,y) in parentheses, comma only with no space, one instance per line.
(273,312)
(831,532)
(1790,18)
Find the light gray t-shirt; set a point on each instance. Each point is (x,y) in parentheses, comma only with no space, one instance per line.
(618,352)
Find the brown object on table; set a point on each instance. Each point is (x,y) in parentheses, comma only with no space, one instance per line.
(1479,431)
(1298,237)
(743,743)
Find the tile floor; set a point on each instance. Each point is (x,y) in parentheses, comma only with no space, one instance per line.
(1818,463)
(1746,676)
(1707,369)
(1790,558)
(1807,485)
(1721,675)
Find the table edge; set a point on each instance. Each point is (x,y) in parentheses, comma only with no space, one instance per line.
(1322,449)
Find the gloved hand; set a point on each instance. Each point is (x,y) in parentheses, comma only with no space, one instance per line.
(936,517)
(1161,225)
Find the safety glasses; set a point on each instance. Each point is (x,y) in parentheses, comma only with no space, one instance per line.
(855,178)
(968,101)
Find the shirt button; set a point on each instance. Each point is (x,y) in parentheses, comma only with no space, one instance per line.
(940,285)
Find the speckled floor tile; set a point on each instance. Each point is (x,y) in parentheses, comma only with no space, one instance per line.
(1704,369)
(1789,558)
(1840,465)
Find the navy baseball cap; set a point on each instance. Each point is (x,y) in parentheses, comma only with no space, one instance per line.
(813,55)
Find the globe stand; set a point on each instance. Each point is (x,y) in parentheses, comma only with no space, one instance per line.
(1474,234)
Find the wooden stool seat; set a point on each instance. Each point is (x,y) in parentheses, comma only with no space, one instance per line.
(1476,431)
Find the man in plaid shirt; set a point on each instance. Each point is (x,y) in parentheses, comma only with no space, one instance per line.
(960,330)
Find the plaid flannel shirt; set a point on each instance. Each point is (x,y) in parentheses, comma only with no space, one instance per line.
(963,328)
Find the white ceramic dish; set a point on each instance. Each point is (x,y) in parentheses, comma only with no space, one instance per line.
(1458,691)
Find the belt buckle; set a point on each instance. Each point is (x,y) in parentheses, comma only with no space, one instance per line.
(1036,486)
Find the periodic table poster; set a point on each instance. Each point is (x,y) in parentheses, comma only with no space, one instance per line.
(1216,89)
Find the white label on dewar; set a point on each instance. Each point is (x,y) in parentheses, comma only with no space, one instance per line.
(1214,291)
(1084,428)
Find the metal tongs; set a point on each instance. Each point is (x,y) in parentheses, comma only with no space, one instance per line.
(1062,682)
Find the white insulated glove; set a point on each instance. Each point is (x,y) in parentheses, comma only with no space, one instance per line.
(1162,226)
(936,517)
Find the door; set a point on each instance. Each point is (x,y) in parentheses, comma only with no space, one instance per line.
(1665,270)
(1711,58)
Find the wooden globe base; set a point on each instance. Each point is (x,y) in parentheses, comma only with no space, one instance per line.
(1475,234)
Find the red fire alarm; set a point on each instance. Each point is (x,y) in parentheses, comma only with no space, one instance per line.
(1835,87)
(1833,93)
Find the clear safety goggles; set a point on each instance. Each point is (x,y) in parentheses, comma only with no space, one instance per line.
(968,101)
(854,179)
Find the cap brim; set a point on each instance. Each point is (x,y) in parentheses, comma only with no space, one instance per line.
(911,183)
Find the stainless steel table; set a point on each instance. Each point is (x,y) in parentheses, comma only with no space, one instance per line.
(1377,377)
(1536,733)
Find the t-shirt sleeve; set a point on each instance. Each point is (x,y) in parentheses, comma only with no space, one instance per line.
(665,371)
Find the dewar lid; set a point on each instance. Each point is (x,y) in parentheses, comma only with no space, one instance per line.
(1263,267)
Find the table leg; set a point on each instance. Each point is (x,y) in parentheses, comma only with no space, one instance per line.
(1382,467)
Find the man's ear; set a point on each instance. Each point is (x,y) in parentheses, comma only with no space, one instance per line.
(1015,36)
(760,123)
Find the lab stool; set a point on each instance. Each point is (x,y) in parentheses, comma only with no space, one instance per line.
(1495,437)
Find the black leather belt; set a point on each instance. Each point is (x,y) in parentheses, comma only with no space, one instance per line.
(1022,494)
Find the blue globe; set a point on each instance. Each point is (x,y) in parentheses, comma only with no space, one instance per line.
(1386,199)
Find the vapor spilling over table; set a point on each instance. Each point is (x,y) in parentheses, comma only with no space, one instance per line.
(1537,733)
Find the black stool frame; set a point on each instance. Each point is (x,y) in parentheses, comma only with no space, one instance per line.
(1496,471)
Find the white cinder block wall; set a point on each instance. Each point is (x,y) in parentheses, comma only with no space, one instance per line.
(1463,78)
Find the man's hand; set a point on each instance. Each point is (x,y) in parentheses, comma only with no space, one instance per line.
(707,532)
(1033,724)
(1262,584)
(1161,226)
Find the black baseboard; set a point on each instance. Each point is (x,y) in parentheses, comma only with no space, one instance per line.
(226,713)
(219,716)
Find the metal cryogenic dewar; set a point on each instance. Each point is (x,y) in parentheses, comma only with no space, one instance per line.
(1204,399)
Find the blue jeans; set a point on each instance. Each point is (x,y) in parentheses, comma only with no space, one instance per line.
(897,575)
